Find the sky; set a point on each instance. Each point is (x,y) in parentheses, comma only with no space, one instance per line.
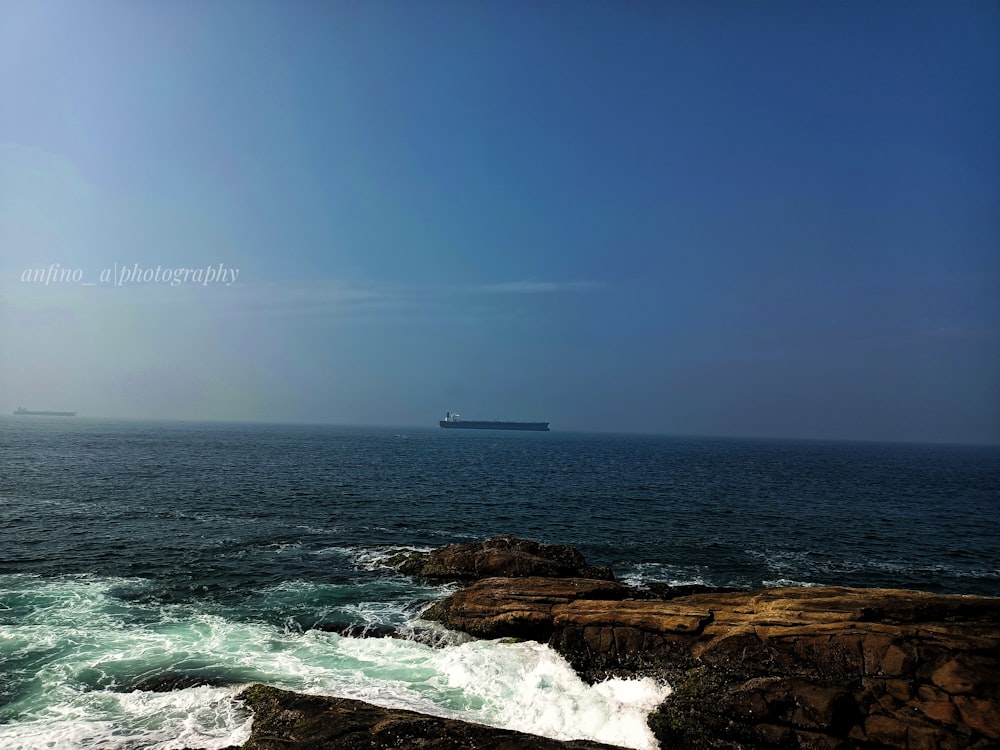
(775,219)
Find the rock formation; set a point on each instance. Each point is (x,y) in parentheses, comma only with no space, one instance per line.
(499,556)
(284,720)
(518,607)
(827,667)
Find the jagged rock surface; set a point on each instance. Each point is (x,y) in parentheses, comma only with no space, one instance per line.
(517,607)
(829,668)
(291,721)
(499,556)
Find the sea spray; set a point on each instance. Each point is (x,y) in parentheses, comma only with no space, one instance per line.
(531,688)
(88,667)
(199,717)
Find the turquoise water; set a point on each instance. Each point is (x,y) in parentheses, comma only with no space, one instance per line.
(149,571)
(83,668)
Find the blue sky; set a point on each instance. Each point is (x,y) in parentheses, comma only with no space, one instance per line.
(728,218)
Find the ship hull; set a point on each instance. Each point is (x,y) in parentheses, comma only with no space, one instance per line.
(29,413)
(468,424)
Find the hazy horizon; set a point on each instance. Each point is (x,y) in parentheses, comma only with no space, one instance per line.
(432,427)
(728,219)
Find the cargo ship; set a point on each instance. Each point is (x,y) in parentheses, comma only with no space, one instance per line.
(21,411)
(455,422)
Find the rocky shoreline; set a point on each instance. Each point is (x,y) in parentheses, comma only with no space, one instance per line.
(829,668)
(284,719)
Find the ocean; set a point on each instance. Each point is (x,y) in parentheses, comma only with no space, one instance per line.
(150,570)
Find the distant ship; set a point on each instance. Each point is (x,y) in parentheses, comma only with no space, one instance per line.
(455,422)
(28,413)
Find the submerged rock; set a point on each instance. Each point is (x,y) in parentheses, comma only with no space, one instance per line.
(291,721)
(499,556)
(355,630)
(167,682)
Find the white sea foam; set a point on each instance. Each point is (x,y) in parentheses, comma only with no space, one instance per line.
(638,575)
(389,602)
(531,688)
(523,686)
(788,583)
(368,558)
(200,717)
(85,652)
(786,563)
(376,557)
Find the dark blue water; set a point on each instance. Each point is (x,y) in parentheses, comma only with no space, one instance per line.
(211,507)
(173,540)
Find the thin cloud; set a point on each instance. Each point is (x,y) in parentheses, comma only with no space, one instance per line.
(537,287)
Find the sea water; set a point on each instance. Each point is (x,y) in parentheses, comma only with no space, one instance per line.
(149,571)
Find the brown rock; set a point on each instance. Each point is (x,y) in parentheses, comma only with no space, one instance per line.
(811,667)
(943,711)
(660,617)
(885,731)
(874,647)
(901,690)
(981,714)
(505,556)
(819,706)
(931,694)
(512,607)
(753,701)
(965,673)
(898,660)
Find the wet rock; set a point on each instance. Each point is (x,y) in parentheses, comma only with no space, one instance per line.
(355,630)
(291,721)
(517,607)
(659,590)
(828,667)
(169,681)
(506,556)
